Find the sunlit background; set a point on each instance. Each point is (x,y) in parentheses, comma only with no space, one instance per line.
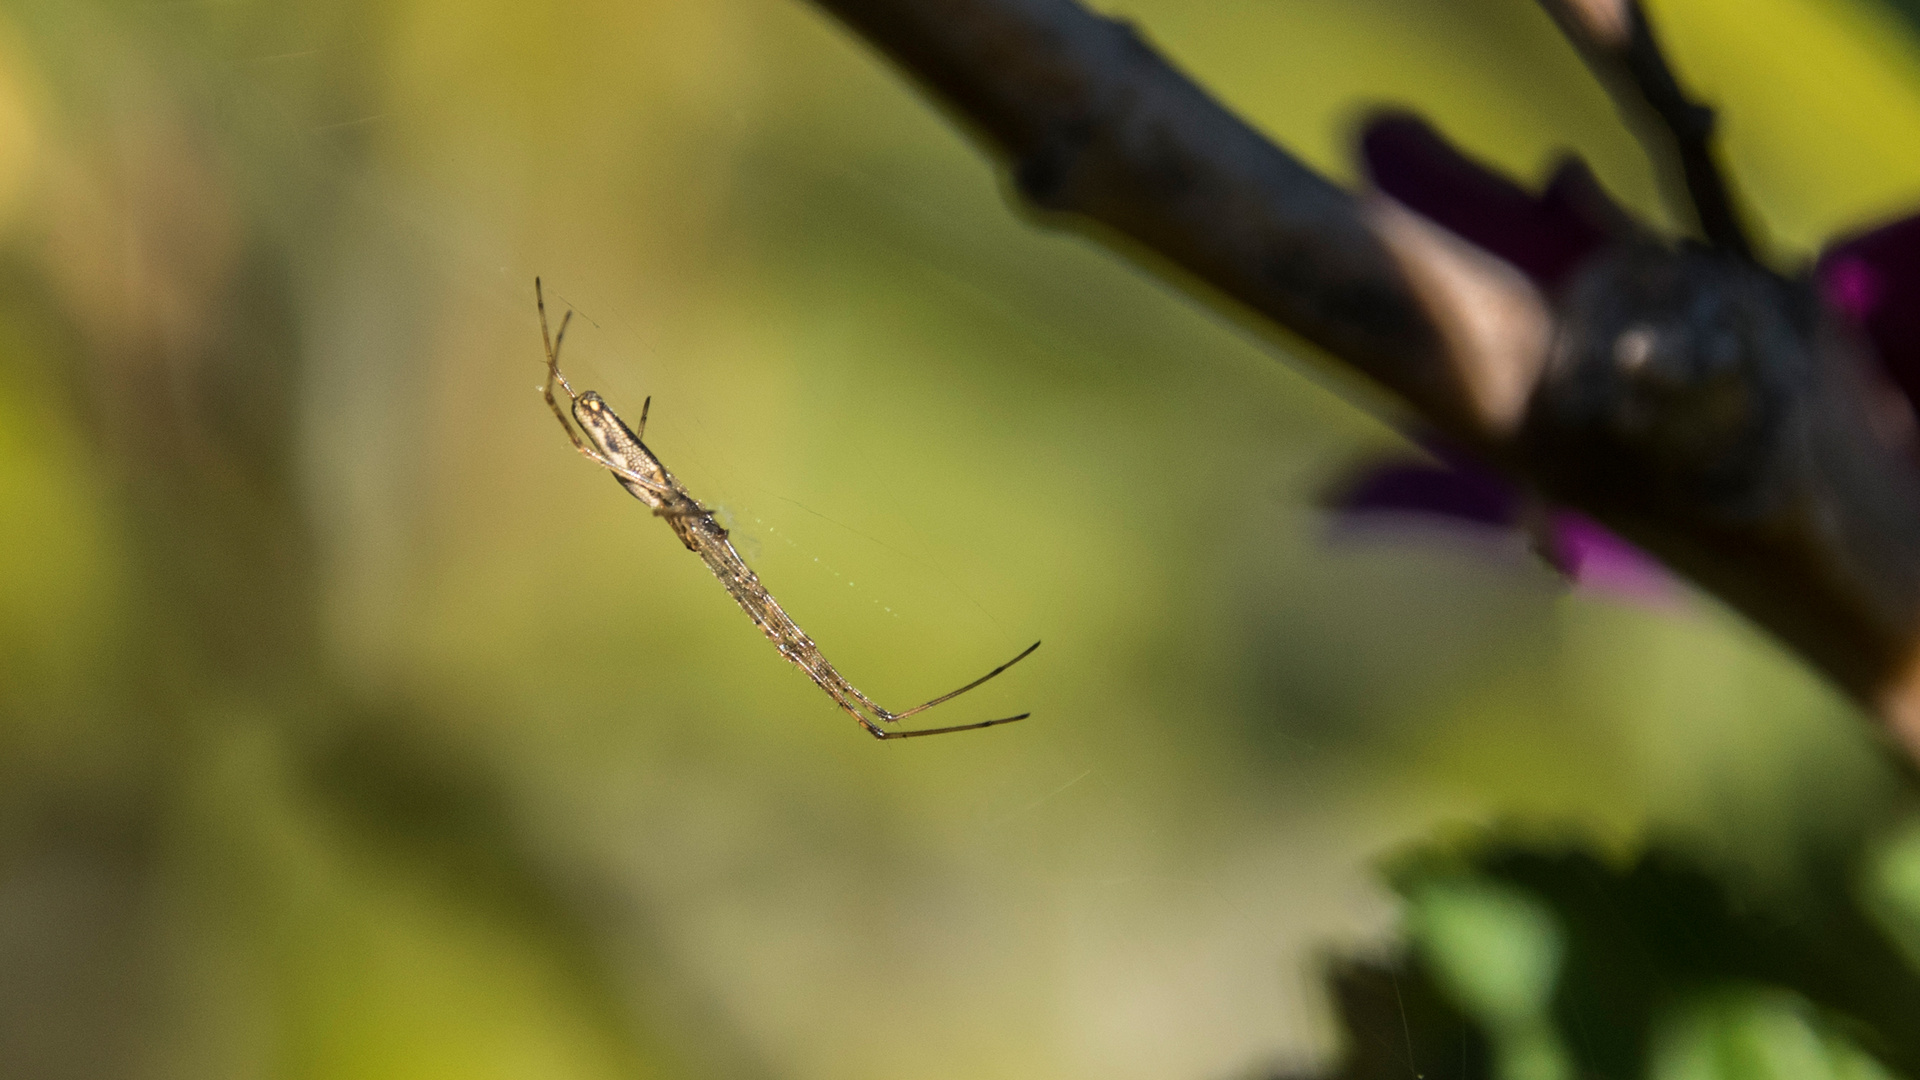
(352,726)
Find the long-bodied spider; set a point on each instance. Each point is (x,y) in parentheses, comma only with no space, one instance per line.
(607,441)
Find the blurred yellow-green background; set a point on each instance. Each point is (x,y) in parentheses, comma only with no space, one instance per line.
(351,726)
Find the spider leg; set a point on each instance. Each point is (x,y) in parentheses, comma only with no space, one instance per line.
(553,343)
(879,732)
(894,717)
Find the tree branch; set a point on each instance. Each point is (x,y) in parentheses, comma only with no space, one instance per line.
(1096,124)
(1708,409)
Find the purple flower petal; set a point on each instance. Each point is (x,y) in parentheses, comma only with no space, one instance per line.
(1472,496)
(1464,493)
(1595,558)
(1874,278)
(1545,236)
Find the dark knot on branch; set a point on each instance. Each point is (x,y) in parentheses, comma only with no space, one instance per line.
(1673,379)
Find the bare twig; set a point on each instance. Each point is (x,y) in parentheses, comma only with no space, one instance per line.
(1619,44)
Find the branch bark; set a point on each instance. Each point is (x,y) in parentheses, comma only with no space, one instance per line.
(1095,124)
(1697,402)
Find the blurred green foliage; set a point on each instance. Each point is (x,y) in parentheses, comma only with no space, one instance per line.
(350,726)
(1535,959)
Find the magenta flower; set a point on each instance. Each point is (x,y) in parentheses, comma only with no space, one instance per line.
(1454,491)
(1871,279)
(1546,236)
